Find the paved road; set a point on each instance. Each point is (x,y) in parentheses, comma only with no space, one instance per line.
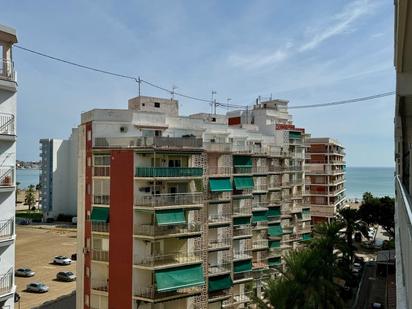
(35,249)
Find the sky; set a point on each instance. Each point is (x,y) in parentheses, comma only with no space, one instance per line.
(306,52)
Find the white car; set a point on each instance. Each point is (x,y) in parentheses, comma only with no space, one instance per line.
(37,287)
(62,260)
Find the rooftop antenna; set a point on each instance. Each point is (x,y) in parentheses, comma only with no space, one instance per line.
(213,102)
(174,87)
(139,81)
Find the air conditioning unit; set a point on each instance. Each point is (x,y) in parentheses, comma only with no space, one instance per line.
(123,129)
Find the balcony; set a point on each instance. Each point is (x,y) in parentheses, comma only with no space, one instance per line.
(100,227)
(100,285)
(161,142)
(219,170)
(170,199)
(101,171)
(260,205)
(219,197)
(244,232)
(275,169)
(219,219)
(242,170)
(7,126)
(155,231)
(260,170)
(242,211)
(242,277)
(167,260)
(101,199)
(241,148)
(174,142)
(100,255)
(6,178)
(151,294)
(219,244)
(169,172)
(7,70)
(6,282)
(262,187)
(217,147)
(274,185)
(241,255)
(216,269)
(260,244)
(6,230)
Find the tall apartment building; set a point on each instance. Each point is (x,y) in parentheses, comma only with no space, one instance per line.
(8,94)
(186,212)
(325,178)
(403,159)
(58,177)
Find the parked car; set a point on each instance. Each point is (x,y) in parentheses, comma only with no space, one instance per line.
(62,260)
(66,276)
(24,272)
(37,287)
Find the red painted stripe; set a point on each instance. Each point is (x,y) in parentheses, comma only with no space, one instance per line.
(121,229)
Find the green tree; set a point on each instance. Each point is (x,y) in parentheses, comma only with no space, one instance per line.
(30,198)
(350,219)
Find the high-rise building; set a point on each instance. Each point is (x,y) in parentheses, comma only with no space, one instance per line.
(325,178)
(403,158)
(8,95)
(186,212)
(58,177)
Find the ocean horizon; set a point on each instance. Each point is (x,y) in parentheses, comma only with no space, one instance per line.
(377,180)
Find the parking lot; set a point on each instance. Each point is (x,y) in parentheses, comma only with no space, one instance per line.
(35,249)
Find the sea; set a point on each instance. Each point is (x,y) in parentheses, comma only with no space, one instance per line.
(27,177)
(377,180)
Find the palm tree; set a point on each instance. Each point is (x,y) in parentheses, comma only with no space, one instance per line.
(306,282)
(30,198)
(351,221)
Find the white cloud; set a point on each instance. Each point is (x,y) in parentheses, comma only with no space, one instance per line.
(339,23)
(254,61)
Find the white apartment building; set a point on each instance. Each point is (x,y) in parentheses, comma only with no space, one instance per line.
(58,177)
(8,95)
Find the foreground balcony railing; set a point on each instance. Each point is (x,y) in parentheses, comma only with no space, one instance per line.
(169,172)
(6,229)
(170,199)
(101,171)
(260,187)
(100,255)
(219,196)
(276,168)
(260,169)
(167,259)
(6,282)
(242,254)
(100,227)
(242,298)
(155,230)
(7,124)
(151,292)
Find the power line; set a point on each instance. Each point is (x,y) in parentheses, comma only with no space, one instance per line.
(172,92)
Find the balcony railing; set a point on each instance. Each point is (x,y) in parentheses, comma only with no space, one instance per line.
(217,147)
(6,229)
(244,231)
(242,211)
(241,148)
(101,171)
(241,254)
(175,142)
(260,187)
(170,199)
(101,199)
(100,285)
(151,292)
(6,282)
(242,170)
(154,230)
(219,170)
(169,172)
(7,70)
(260,244)
(7,124)
(6,176)
(219,196)
(219,243)
(274,184)
(243,276)
(259,205)
(275,168)
(218,268)
(100,255)
(155,141)
(101,227)
(260,169)
(167,259)
(219,218)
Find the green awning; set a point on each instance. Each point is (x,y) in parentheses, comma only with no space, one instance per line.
(306,236)
(241,220)
(274,243)
(306,211)
(243,182)
(100,214)
(170,216)
(258,216)
(275,230)
(172,279)
(219,283)
(242,161)
(276,261)
(242,266)
(220,185)
(274,212)
(294,135)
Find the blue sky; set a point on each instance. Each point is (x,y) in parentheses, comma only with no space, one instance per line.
(304,51)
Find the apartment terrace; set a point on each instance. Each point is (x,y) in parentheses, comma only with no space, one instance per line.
(152,231)
(159,261)
(157,142)
(217,147)
(162,201)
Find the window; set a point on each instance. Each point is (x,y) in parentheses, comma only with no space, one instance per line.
(174,163)
(157,104)
(213,119)
(158,133)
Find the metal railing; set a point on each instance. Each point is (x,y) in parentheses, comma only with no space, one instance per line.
(175,142)
(170,199)
(260,170)
(260,187)
(101,171)
(242,254)
(219,243)
(101,199)
(241,148)
(102,227)
(167,259)
(244,231)
(239,211)
(242,298)
(219,170)
(219,196)
(6,281)
(260,204)
(242,170)
(274,184)
(260,244)
(169,172)
(100,255)
(6,228)
(7,124)
(6,176)
(155,230)
(7,70)
(243,276)
(275,168)
(100,285)
(218,268)
(219,218)
(217,147)
(151,292)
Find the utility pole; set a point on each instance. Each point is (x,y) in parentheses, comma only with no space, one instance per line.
(139,81)
(174,87)
(213,102)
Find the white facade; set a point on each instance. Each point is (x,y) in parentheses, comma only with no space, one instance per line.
(8,94)
(58,177)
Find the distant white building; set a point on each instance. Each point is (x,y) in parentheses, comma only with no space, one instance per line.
(58,177)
